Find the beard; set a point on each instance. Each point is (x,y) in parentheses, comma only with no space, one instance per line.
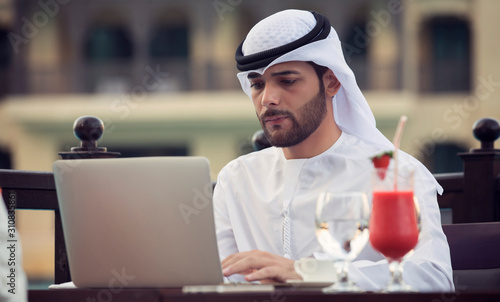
(309,117)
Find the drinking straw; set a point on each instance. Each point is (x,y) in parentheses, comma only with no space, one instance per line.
(396,141)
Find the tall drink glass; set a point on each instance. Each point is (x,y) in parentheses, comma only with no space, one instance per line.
(394,221)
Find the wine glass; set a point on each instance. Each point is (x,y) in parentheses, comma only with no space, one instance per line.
(342,230)
(394,222)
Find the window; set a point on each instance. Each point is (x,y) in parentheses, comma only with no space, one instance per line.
(445,55)
(5,49)
(169,42)
(5,61)
(109,51)
(168,48)
(355,46)
(170,34)
(107,42)
(444,159)
(5,159)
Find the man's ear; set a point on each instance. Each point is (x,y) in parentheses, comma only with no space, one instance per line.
(332,84)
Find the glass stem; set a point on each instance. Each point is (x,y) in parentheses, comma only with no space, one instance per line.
(396,270)
(342,272)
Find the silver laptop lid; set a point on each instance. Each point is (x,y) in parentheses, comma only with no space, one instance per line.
(138,222)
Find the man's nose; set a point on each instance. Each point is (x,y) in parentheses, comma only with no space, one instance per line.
(270,96)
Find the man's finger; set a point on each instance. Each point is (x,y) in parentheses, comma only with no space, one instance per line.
(233,258)
(243,265)
(270,273)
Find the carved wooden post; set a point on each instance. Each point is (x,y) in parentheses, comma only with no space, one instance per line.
(88,129)
(481,172)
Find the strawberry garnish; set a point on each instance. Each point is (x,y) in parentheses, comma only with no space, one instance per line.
(381,162)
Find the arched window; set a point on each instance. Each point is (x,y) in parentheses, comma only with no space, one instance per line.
(108,38)
(5,61)
(169,42)
(109,51)
(107,42)
(170,37)
(445,55)
(5,49)
(169,47)
(355,44)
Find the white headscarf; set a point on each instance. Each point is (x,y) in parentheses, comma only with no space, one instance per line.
(350,108)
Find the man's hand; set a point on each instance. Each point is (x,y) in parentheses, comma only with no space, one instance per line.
(260,266)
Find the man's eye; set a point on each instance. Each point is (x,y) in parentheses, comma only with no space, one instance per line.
(256,85)
(288,82)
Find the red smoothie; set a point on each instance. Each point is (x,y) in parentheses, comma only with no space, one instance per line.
(393,223)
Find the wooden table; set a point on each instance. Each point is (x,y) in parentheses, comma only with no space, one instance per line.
(279,295)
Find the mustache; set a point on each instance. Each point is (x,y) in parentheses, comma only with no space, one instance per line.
(274,112)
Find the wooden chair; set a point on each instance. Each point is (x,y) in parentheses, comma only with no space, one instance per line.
(474,194)
(475,255)
(32,190)
(36,191)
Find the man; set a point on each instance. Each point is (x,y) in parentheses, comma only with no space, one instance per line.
(323,133)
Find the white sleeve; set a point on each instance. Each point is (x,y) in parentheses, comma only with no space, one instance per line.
(428,269)
(224,230)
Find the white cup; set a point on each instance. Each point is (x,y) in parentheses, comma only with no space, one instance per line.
(312,270)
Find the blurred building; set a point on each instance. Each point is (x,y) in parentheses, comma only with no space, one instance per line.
(161,75)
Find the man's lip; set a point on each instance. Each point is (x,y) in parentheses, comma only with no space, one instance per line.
(275,118)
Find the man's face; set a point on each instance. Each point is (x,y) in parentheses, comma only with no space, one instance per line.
(289,101)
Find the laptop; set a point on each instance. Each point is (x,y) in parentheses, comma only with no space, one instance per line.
(138,222)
